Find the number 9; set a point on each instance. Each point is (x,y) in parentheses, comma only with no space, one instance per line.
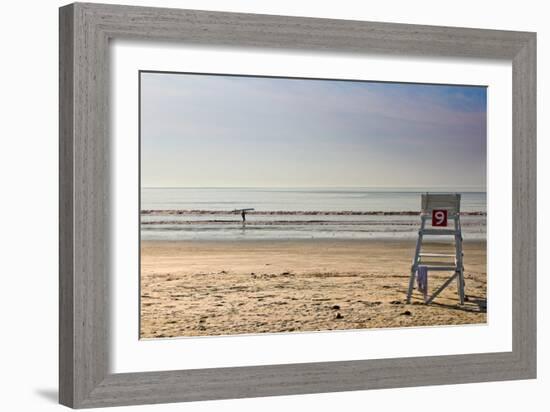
(439,217)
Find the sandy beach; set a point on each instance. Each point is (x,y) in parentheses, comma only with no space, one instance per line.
(192,288)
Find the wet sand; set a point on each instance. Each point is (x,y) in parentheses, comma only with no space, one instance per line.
(197,288)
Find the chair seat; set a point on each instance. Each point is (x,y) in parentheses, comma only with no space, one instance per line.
(438,232)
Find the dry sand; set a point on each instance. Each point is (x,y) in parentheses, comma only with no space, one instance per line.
(193,288)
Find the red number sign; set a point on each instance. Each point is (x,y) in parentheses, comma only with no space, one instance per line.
(439,217)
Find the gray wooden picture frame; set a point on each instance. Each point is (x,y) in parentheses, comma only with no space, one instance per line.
(85,31)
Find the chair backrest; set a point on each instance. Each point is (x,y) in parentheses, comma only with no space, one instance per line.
(447,201)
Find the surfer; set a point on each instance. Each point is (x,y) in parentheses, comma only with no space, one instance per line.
(243,213)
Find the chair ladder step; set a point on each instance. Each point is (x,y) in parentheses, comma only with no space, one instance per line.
(436,255)
(442,268)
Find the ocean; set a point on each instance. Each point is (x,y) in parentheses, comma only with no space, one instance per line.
(295,213)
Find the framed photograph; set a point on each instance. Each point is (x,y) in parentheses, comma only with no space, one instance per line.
(257,205)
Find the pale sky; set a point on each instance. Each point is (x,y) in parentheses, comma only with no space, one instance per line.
(227,131)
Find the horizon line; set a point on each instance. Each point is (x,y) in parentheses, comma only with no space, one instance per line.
(477,188)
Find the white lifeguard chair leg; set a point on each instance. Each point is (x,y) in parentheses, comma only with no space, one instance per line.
(411,283)
(459,260)
(414,265)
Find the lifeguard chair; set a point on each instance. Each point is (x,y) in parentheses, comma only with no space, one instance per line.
(437,210)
